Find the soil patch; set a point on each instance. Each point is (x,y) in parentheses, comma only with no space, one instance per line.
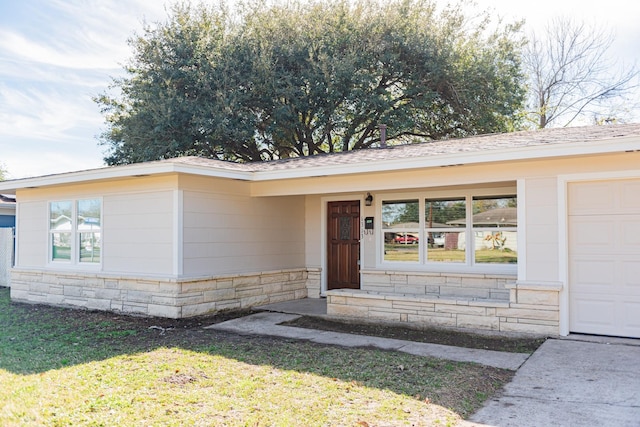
(430,335)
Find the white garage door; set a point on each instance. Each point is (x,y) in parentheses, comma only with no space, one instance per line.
(604,257)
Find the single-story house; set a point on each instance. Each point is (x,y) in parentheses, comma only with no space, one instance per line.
(188,236)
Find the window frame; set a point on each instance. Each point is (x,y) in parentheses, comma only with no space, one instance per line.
(485,229)
(402,230)
(423,264)
(75,234)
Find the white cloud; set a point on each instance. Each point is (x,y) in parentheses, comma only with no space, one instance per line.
(50,68)
(53,52)
(45,113)
(79,34)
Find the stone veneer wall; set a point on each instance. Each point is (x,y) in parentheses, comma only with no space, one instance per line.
(531,308)
(172,298)
(486,286)
(313,282)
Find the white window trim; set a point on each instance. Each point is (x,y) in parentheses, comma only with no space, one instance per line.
(74,263)
(469,266)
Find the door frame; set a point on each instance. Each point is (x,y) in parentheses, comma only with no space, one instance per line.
(324,206)
(563,232)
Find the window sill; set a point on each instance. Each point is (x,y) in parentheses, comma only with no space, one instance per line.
(67,266)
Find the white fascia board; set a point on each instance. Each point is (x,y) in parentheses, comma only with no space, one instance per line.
(116,172)
(215,172)
(512,154)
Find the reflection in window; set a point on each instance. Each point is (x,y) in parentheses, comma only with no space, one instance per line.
(445,213)
(401,223)
(75,230)
(61,246)
(89,230)
(60,224)
(445,222)
(462,229)
(60,215)
(495,221)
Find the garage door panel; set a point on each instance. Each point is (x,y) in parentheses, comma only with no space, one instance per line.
(629,196)
(604,257)
(606,317)
(593,276)
(592,316)
(631,321)
(606,235)
(630,233)
(630,272)
(590,197)
(592,234)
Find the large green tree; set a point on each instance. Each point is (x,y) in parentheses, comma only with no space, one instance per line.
(266,82)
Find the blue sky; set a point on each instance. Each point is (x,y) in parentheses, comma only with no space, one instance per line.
(55,55)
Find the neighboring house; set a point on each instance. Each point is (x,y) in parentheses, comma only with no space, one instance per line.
(188,236)
(7,223)
(7,211)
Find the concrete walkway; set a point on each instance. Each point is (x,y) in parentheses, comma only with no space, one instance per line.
(571,383)
(267,323)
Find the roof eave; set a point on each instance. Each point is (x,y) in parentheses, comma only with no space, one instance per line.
(137,170)
(629,144)
(619,144)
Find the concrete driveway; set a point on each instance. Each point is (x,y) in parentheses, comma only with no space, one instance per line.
(571,383)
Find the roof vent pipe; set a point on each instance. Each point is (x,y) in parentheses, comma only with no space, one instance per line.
(383,136)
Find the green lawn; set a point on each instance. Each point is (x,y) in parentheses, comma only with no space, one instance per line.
(61,367)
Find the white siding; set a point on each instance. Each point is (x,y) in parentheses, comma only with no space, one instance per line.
(313,229)
(227,231)
(138,233)
(31,224)
(137,225)
(541,229)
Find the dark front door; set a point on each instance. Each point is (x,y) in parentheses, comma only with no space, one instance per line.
(343,245)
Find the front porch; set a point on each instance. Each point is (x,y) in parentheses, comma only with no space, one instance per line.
(531,308)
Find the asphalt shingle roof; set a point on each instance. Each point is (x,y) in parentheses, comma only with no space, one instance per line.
(480,143)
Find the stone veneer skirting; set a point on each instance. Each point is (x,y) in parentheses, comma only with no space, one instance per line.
(161,297)
(461,286)
(531,308)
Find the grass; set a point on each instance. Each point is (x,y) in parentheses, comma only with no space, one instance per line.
(61,367)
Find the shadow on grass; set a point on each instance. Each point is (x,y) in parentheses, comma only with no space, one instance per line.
(36,339)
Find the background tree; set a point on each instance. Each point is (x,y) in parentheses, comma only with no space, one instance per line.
(268,82)
(570,75)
